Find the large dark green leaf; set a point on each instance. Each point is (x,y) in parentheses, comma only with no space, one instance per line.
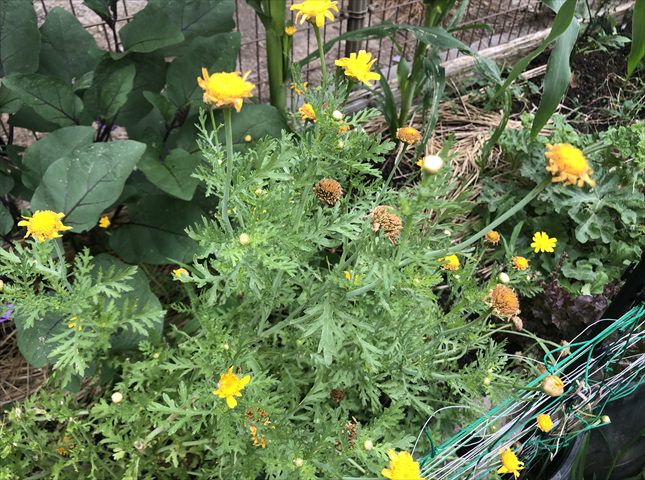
(258,121)
(637,51)
(199,18)
(6,220)
(157,232)
(32,342)
(68,51)
(103,8)
(150,29)
(217,54)
(52,99)
(85,182)
(173,175)
(113,81)
(41,154)
(19,37)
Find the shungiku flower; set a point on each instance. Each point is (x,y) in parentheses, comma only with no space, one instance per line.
(450,262)
(358,67)
(328,191)
(503,300)
(553,386)
(315,11)
(225,89)
(290,30)
(492,237)
(231,386)
(402,467)
(568,164)
(510,463)
(544,422)
(104,221)
(409,135)
(430,163)
(543,243)
(383,219)
(307,112)
(520,263)
(180,273)
(44,225)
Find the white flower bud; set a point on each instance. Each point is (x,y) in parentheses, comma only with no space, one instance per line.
(503,277)
(368,445)
(298,462)
(244,239)
(338,116)
(431,163)
(117,397)
(341,144)
(486,381)
(605,419)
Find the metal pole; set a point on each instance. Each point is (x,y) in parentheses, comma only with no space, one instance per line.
(356,12)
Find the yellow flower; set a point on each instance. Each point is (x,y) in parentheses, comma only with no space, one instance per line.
(348,276)
(358,66)
(402,467)
(503,301)
(315,11)
(544,422)
(300,89)
(510,463)
(225,89)
(289,30)
(568,164)
(343,128)
(542,242)
(248,138)
(520,263)
(307,112)
(553,386)
(44,225)
(180,273)
(73,323)
(450,262)
(230,386)
(493,237)
(104,221)
(409,135)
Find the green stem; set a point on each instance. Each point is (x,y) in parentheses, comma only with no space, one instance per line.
(276,53)
(321,53)
(228,129)
(62,267)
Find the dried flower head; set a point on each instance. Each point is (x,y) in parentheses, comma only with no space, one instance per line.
(337,395)
(518,324)
(520,263)
(553,386)
(44,225)
(402,467)
(409,135)
(510,463)
(383,219)
(315,11)
(493,237)
(568,164)
(225,89)
(307,112)
(503,301)
(358,67)
(544,422)
(328,191)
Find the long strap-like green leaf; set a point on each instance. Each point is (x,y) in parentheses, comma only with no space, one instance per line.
(637,51)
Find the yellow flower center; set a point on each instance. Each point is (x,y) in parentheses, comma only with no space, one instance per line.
(44,225)
(358,67)
(315,11)
(568,164)
(402,467)
(225,89)
(290,31)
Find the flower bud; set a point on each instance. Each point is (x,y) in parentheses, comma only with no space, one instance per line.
(368,445)
(338,116)
(259,192)
(431,163)
(518,324)
(244,239)
(341,144)
(553,386)
(486,381)
(503,277)
(605,419)
(298,462)
(117,397)
(248,138)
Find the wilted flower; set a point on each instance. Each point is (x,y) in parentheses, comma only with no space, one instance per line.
(492,237)
(328,191)
(44,225)
(383,219)
(605,419)
(543,243)
(510,463)
(315,11)
(409,135)
(307,112)
(520,263)
(568,164)
(298,462)
(337,115)
(368,445)
(231,386)
(553,386)
(503,301)
(402,467)
(544,422)
(358,67)
(225,89)
(104,221)
(450,262)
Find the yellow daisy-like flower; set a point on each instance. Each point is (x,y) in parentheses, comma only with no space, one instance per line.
(231,386)
(402,467)
(544,422)
(568,164)
(553,386)
(493,237)
(520,263)
(450,262)
(104,221)
(357,67)
(307,112)
(543,243)
(289,30)
(180,273)
(510,463)
(44,225)
(315,11)
(409,135)
(225,89)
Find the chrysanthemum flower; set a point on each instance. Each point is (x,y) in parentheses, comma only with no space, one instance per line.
(44,225)
(543,243)
(383,219)
(553,386)
(503,301)
(231,386)
(402,467)
(358,67)
(450,262)
(409,135)
(315,11)
(520,263)
(180,273)
(510,463)
(290,30)
(225,89)
(299,89)
(328,191)
(568,164)
(307,112)
(104,221)
(493,237)
(544,422)
(430,163)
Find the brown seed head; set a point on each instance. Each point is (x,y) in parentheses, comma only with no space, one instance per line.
(503,301)
(383,219)
(328,191)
